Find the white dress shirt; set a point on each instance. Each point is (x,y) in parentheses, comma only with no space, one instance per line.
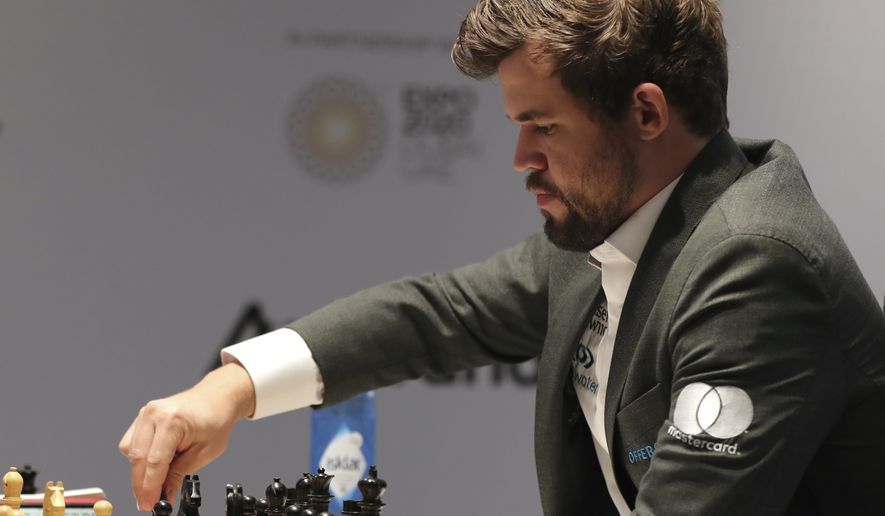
(616,257)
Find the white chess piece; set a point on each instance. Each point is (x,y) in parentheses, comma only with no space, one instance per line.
(12,491)
(102,508)
(54,499)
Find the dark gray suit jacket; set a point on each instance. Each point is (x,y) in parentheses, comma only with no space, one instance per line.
(745,284)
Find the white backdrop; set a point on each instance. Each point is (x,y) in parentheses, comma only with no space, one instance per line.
(150,190)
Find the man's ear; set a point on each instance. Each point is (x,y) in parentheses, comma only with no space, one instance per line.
(649,111)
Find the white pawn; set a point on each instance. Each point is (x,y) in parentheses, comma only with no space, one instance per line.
(103,508)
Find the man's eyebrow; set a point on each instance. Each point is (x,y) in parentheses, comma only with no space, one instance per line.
(528,116)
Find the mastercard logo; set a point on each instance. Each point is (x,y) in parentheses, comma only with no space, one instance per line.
(722,412)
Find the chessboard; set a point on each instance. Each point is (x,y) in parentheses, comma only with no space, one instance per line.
(310,496)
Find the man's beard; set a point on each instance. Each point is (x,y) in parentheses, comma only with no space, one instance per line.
(588,222)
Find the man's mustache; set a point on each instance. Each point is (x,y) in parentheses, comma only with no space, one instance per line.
(536,181)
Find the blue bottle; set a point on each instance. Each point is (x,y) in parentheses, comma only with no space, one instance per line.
(343,443)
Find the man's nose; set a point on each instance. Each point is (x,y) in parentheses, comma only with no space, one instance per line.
(527,155)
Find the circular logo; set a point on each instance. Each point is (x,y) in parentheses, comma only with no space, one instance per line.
(337,129)
(721,412)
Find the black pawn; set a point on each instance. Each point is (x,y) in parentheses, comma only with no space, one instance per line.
(162,508)
(372,489)
(249,505)
(261,507)
(29,478)
(302,491)
(294,510)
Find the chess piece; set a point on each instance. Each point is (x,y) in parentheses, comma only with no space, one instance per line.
(190,499)
(12,491)
(372,488)
(249,505)
(302,491)
(162,507)
(29,475)
(351,508)
(276,497)
(54,499)
(239,499)
(294,510)
(261,507)
(230,504)
(102,508)
(319,491)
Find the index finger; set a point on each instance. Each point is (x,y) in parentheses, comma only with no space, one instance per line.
(126,440)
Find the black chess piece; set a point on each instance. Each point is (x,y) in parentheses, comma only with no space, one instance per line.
(294,510)
(233,503)
(190,499)
(229,507)
(239,499)
(319,491)
(261,507)
(351,508)
(249,505)
(302,491)
(230,501)
(29,479)
(163,507)
(276,497)
(372,489)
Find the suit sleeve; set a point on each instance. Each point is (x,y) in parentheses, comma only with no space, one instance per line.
(493,311)
(757,383)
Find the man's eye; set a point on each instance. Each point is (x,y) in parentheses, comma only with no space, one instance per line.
(545,130)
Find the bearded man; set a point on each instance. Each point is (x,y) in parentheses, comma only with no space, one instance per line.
(707,344)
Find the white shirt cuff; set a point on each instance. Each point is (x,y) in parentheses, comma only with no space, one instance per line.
(283,371)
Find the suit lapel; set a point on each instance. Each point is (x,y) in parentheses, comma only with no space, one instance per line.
(717,166)
(580,293)
(561,470)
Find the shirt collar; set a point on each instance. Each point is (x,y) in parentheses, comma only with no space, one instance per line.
(628,241)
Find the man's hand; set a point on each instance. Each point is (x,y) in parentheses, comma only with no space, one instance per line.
(180,434)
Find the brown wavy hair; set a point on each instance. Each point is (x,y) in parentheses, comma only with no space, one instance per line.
(603,49)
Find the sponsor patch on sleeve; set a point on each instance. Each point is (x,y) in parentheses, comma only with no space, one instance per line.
(706,416)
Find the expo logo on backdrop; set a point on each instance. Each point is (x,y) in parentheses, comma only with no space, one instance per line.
(339,127)
(252,321)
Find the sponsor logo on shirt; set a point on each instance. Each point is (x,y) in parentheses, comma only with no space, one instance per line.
(583,373)
(705,416)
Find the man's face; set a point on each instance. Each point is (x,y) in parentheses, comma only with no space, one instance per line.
(582,173)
